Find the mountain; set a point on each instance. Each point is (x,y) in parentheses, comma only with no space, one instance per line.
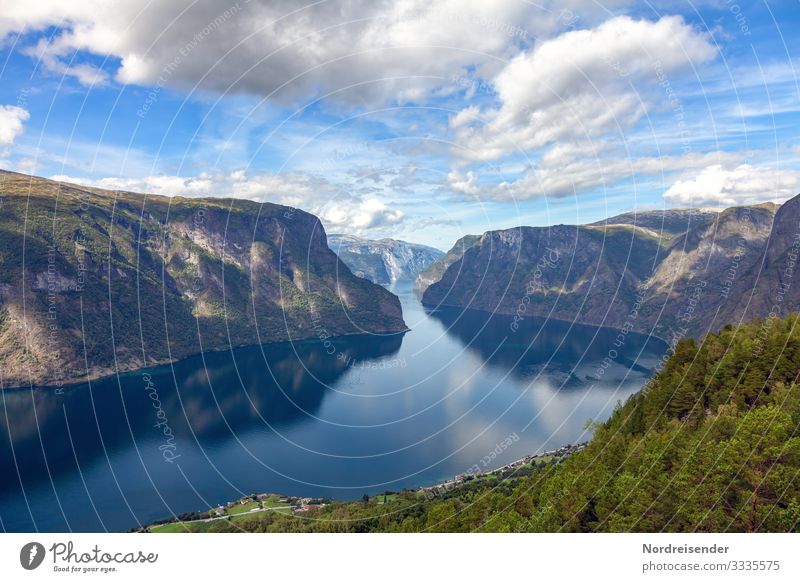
(672,273)
(659,224)
(94,282)
(768,286)
(385,261)
(436,269)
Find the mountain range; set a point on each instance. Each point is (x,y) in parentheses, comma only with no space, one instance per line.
(384,261)
(672,273)
(94,282)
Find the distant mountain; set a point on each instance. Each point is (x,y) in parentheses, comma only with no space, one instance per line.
(385,261)
(93,282)
(671,273)
(769,283)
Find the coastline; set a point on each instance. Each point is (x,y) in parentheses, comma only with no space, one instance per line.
(127,370)
(647,334)
(293,505)
(461,478)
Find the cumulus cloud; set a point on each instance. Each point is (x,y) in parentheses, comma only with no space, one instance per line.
(464,184)
(378,49)
(581,85)
(291,189)
(718,185)
(370,214)
(48,52)
(12,120)
(570,170)
(338,208)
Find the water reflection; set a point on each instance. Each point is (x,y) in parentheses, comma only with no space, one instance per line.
(208,398)
(569,353)
(377,413)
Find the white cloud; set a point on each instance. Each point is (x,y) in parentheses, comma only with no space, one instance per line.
(12,119)
(575,169)
(47,53)
(718,185)
(338,208)
(291,189)
(465,184)
(581,85)
(370,214)
(281,48)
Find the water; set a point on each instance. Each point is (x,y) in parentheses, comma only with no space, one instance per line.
(376,414)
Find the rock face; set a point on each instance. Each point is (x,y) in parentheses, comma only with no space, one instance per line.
(93,282)
(385,261)
(436,269)
(770,285)
(675,273)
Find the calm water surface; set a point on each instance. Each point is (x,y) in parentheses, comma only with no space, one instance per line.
(375,414)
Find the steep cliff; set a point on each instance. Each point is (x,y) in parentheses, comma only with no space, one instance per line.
(769,286)
(673,273)
(436,269)
(93,282)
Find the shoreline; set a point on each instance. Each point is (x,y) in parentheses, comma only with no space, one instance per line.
(102,374)
(561,452)
(125,370)
(295,505)
(646,334)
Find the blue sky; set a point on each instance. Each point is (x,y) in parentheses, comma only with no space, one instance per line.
(405,119)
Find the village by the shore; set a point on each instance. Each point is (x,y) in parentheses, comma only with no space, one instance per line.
(437,489)
(259,502)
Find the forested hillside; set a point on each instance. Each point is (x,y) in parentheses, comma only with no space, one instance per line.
(710,444)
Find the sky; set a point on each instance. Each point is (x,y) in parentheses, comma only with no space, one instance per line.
(411,119)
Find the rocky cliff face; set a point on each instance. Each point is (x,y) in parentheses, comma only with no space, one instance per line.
(385,261)
(436,269)
(93,282)
(675,273)
(557,272)
(769,286)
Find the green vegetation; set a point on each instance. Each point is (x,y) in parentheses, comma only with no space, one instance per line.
(710,444)
(174,527)
(242,508)
(273,501)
